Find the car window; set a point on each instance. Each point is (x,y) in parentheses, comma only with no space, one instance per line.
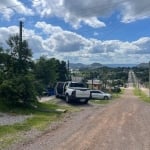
(95,92)
(77,85)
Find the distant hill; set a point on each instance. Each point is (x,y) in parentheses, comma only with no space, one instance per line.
(95,65)
(120,65)
(143,65)
(80,65)
(77,65)
(98,65)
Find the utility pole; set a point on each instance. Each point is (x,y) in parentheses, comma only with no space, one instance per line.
(69,78)
(20,38)
(92,80)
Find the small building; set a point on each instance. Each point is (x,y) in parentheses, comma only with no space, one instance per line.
(94,84)
(77,79)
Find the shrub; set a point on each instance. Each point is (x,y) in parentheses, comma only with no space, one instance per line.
(18,90)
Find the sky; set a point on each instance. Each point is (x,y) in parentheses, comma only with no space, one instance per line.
(81,31)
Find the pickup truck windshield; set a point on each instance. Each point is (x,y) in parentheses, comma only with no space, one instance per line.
(77,85)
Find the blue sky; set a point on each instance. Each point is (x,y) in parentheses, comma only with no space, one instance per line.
(104,31)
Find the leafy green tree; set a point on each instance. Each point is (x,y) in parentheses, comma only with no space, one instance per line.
(18,84)
(21,58)
(62,71)
(49,71)
(45,70)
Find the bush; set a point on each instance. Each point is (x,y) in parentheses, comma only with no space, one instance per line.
(18,90)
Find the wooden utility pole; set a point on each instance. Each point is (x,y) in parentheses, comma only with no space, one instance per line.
(68,68)
(20,38)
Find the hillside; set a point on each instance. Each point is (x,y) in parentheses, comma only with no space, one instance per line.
(80,65)
(143,65)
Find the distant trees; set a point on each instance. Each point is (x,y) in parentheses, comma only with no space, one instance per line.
(142,73)
(108,76)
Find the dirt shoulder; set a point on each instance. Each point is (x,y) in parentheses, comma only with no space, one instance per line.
(121,125)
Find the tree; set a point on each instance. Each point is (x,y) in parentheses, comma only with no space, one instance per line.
(21,58)
(62,71)
(49,71)
(18,84)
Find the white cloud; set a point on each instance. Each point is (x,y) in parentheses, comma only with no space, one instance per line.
(48,28)
(135,10)
(68,45)
(143,44)
(77,12)
(10,7)
(68,11)
(89,12)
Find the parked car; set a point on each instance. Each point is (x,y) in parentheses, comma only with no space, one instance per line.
(72,91)
(98,94)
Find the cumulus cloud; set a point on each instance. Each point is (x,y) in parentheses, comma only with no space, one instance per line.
(64,45)
(135,10)
(68,11)
(10,7)
(77,12)
(89,12)
(143,44)
(60,40)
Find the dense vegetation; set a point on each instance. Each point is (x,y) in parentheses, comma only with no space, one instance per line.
(22,79)
(109,76)
(142,73)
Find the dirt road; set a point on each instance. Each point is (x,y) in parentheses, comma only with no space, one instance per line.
(121,125)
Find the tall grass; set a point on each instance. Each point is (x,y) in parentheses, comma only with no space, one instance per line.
(138,92)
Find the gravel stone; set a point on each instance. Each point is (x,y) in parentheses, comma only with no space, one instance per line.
(10,119)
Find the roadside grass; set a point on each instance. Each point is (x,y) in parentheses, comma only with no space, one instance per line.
(138,92)
(114,97)
(40,118)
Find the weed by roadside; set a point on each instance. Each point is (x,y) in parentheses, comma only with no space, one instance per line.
(141,94)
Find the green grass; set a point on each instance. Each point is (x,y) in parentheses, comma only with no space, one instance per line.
(142,95)
(100,101)
(117,95)
(41,117)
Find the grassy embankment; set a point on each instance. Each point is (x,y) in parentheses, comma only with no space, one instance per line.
(138,92)
(40,119)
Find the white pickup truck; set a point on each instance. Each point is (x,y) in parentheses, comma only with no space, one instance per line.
(72,91)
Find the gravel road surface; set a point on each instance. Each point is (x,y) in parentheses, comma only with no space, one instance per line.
(123,124)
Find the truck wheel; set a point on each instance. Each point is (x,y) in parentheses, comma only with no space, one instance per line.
(67,99)
(57,96)
(86,101)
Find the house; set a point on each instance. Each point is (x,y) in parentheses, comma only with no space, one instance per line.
(94,84)
(76,79)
